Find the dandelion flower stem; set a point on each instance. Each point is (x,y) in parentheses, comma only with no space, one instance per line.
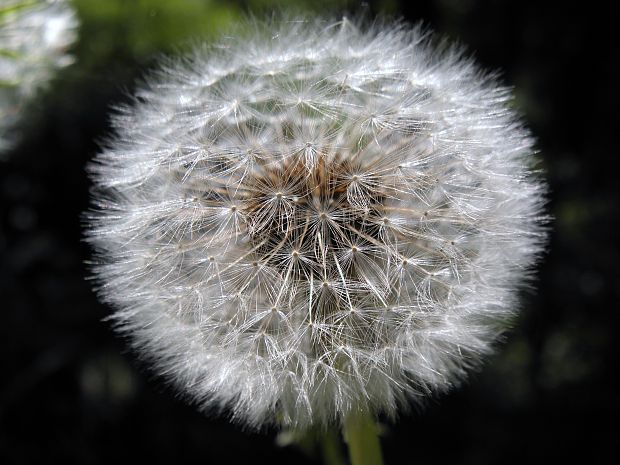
(361,435)
(331,448)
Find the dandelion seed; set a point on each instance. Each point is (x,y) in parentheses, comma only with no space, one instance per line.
(363,209)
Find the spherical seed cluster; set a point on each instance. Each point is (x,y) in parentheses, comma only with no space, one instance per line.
(34,37)
(311,219)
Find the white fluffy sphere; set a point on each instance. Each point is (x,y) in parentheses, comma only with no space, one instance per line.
(309,219)
(34,38)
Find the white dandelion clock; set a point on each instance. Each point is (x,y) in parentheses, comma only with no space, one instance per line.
(34,38)
(311,220)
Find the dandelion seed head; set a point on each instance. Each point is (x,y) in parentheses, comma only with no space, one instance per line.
(34,38)
(315,218)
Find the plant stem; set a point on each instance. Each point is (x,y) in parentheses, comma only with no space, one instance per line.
(361,435)
(331,448)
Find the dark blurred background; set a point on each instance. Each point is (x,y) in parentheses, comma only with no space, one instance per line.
(72,392)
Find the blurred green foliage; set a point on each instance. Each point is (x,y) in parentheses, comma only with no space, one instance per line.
(114,31)
(117,31)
